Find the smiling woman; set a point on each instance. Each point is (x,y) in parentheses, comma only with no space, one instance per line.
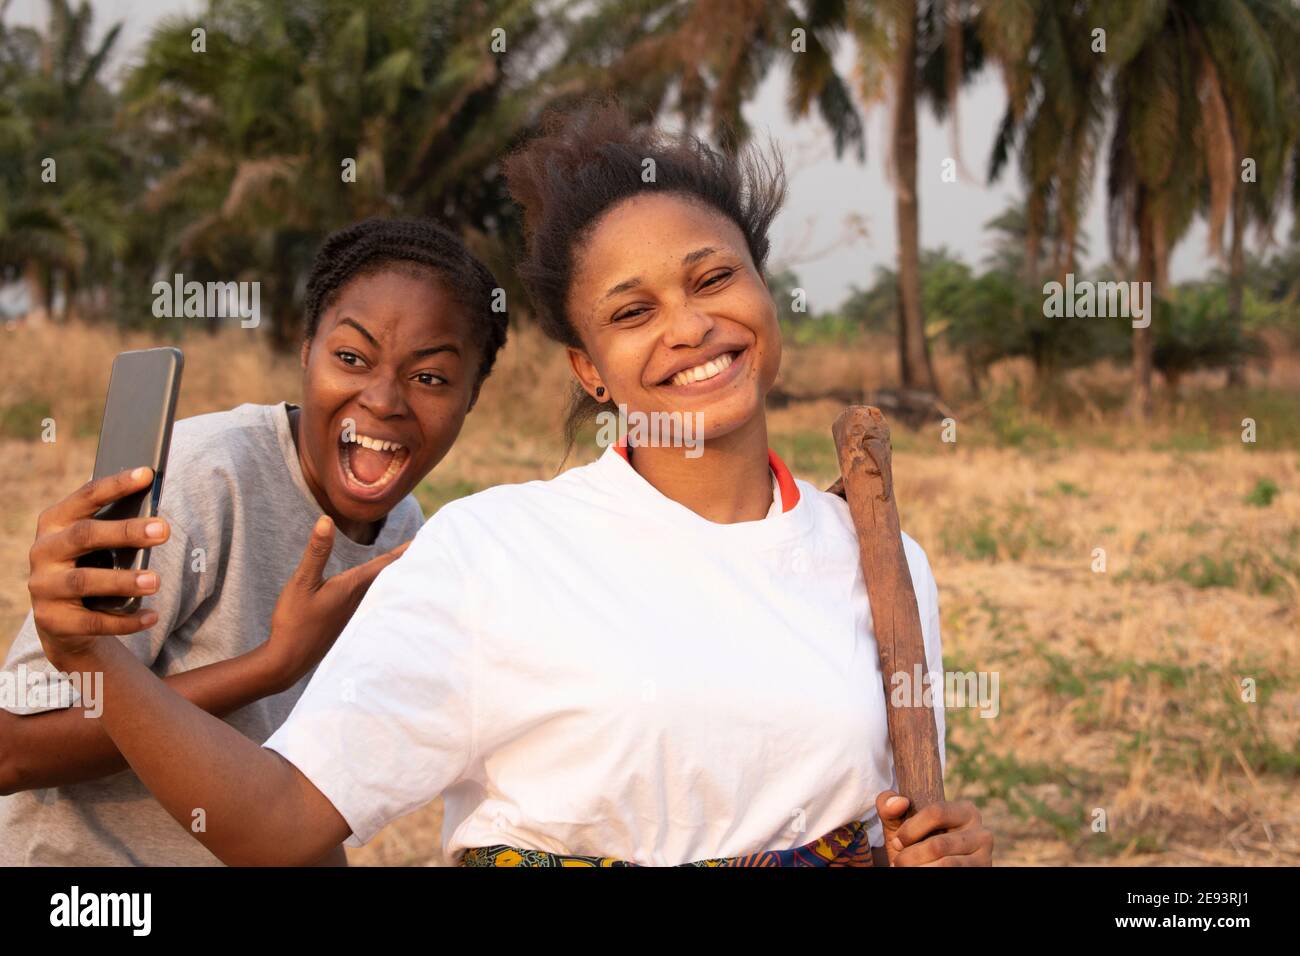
(731,203)
(400,336)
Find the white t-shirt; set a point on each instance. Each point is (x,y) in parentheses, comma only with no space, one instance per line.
(585,666)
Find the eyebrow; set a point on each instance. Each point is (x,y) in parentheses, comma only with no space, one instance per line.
(621,287)
(687,260)
(435,349)
(362,329)
(693,257)
(417,353)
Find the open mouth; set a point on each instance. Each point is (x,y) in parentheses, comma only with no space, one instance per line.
(371,465)
(705,371)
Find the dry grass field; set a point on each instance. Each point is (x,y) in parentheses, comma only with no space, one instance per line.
(1121,689)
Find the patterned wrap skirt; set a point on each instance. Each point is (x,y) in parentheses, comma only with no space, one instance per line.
(846,846)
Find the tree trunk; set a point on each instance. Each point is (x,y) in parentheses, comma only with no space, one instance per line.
(286,332)
(286,325)
(1044,376)
(1142,338)
(1237,282)
(972,375)
(914,351)
(38,312)
(68,286)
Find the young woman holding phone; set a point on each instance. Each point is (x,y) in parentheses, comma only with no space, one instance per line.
(654,659)
(400,336)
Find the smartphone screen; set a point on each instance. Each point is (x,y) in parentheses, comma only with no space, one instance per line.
(136,430)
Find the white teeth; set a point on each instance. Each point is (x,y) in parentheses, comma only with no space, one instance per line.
(703,371)
(375,444)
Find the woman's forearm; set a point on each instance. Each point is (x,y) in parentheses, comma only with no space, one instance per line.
(245,803)
(67,746)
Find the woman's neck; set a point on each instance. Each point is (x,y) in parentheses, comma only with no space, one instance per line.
(730,481)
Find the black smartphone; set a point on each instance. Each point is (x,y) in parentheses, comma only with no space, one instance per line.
(136,430)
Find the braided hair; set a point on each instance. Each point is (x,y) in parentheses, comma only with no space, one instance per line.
(419,244)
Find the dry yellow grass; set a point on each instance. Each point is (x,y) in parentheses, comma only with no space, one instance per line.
(1121,690)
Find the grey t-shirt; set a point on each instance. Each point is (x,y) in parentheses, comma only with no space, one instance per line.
(240,515)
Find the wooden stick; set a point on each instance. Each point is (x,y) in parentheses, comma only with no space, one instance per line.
(867,484)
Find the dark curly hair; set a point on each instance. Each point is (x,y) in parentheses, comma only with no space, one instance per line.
(422,245)
(584,162)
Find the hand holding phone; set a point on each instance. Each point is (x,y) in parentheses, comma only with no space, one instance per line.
(89,564)
(67,531)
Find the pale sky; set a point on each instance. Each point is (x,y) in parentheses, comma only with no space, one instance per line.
(814,233)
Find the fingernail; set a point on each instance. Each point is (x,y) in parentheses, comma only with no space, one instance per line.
(140,473)
(322,524)
(896,803)
(149,618)
(155,529)
(148,580)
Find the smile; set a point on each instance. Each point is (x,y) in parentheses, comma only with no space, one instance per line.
(707,370)
(371,464)
(715,368)
(708,374)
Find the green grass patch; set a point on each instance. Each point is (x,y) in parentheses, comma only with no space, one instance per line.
(1066,676)
(1208,572)
(1105,846)
(1187,441)
(976,542)
(433,494)
(1012,427)
(1262,495)
(1267,756)
(976,534)
(1004,777)
(23,419)
(808,453)
(1246,568)
(1067,489)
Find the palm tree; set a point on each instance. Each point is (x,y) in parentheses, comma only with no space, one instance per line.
(913,345)
(1053,126)
(704,59)
(1188,75)
(1012,237)
(62,184)
(254,135)
(1272,149)
(1195,88)
(713,53)
(1054,122)
(909,51)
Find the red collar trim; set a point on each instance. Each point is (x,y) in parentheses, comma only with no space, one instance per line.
(784,480)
